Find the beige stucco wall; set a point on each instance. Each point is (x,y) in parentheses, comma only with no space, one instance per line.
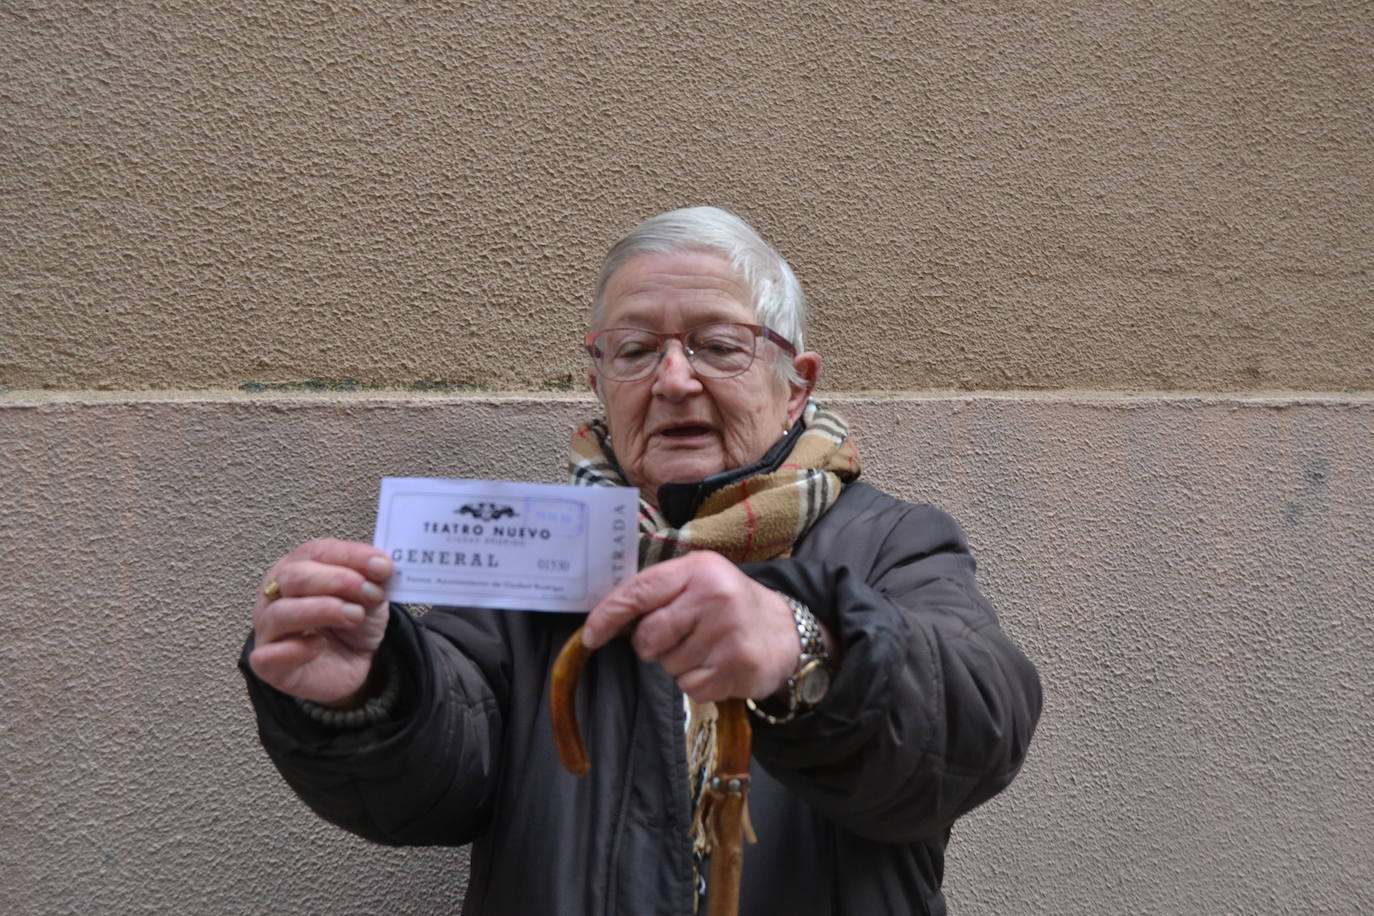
(978,195)
(1191,574)
(1096,199)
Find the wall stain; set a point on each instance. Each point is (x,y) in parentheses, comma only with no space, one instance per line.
(1317,472)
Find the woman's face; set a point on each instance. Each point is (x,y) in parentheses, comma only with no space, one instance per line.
(674,425)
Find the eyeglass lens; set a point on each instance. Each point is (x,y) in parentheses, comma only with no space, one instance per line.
(715,350)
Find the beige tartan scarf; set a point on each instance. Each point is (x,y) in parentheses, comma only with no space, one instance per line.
(752,519)
(757,518)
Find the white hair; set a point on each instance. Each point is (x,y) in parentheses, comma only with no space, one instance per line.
(778,299)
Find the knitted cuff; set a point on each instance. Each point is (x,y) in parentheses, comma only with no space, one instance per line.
(377,709)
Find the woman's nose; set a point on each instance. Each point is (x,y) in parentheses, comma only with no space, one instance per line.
(675,375)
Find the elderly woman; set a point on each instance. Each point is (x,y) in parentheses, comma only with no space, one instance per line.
(886,701)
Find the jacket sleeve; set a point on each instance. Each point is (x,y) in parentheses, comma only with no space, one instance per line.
(932,707)
(427,776)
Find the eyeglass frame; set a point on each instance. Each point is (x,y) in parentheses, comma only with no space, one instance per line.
(758,330)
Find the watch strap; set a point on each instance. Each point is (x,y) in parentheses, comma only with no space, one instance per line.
(812,650)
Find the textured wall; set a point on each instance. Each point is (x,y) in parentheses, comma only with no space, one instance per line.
(979,195)
(1125,196)
(1191,574)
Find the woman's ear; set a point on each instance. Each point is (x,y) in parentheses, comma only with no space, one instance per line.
(808,366)
(591,383)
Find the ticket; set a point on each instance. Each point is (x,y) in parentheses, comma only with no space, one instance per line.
(503,544)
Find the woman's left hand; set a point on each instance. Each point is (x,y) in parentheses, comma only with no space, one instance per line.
(715,630)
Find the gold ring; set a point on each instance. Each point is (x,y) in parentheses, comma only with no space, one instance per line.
(273,590)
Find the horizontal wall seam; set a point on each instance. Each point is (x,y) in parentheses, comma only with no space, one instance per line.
(393,400)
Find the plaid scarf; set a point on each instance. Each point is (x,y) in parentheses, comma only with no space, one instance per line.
(755,518)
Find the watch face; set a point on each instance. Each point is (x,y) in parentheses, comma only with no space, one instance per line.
(813,683)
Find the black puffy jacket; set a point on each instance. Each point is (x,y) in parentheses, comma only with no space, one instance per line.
(930,714)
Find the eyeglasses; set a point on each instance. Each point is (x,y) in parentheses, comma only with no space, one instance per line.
(718,350)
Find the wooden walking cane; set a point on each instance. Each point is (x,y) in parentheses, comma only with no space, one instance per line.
(725,791)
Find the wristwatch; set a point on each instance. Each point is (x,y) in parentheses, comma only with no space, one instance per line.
(810,682)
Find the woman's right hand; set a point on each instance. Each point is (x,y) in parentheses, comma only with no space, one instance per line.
(317,640)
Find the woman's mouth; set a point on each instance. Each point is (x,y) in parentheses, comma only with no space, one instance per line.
(685,431)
